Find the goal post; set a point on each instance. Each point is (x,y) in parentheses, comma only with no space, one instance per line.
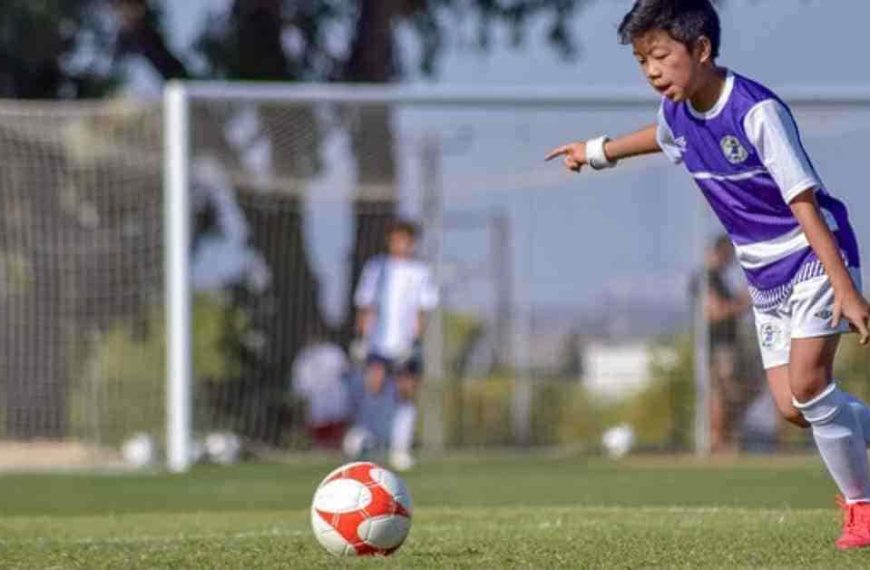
(177,231)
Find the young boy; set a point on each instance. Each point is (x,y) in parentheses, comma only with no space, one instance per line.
(393,296)
(793,239)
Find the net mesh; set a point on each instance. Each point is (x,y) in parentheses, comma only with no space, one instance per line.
(566,300)
(80,265)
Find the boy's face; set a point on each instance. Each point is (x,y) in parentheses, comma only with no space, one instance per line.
(670,67)
(400,244)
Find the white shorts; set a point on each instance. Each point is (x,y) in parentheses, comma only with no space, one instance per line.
(807,313)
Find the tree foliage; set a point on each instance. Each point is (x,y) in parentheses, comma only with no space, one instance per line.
(55,48)
(356,41)
(69,48)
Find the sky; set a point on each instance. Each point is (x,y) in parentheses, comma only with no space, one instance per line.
(783,42)
(599,239)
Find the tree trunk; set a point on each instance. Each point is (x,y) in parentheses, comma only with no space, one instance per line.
(372,60)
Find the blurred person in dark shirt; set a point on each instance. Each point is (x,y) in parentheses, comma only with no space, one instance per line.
(724,305)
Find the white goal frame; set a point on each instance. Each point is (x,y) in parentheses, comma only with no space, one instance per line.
(177,100)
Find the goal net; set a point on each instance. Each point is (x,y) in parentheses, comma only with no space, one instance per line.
(569,303)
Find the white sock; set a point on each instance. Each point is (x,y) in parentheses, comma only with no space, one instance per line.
(840,441)
(862,412)
(404,422)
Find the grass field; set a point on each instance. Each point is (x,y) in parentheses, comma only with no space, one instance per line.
(522,511)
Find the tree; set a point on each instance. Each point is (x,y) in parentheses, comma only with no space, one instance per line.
(54,48)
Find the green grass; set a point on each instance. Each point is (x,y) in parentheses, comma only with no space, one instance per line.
(522,511)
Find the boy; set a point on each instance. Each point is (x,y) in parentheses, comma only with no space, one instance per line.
(793,239)
(394,294)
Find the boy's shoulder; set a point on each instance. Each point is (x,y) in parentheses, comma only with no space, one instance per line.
(376,259)
(411,263)
(747,93)
(743,94)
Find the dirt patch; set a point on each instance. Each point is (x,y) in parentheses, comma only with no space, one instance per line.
(52,455)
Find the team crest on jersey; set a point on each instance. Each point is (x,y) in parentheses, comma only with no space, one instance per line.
(770,335)
(734,151)
(824,314)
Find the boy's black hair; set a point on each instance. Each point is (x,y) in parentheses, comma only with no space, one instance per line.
(684,20)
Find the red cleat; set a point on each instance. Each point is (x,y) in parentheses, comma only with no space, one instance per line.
(856,525)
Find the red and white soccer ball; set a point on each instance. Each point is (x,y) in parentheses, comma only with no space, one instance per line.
(361,509)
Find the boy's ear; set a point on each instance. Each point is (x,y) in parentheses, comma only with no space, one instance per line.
(704,50)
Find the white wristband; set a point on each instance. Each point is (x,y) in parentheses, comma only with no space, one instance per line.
(595,156)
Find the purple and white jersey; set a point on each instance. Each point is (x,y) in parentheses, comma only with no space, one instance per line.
(746,156)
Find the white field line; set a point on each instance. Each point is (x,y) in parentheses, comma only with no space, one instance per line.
(149,539)
(647,508)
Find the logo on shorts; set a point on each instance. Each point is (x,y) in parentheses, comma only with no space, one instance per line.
(824,314)
(770,335)
(734,151)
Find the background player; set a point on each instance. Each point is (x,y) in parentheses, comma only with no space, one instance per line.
(394,294)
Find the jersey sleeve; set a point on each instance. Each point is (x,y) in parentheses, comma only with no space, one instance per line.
(366,289)
(771,128)
(428,292)
(665,138)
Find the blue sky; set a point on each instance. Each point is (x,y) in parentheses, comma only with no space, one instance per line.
(597,239)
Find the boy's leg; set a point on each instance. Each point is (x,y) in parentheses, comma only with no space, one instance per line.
(814,301)
(863,414)
(404,422)
(717,420)
(774,336)
(778,381)
(358,438)
(836,430)
(376,373)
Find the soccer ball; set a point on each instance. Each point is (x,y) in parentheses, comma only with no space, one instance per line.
(361,509)
(139,451)
(223,448)
(618,441)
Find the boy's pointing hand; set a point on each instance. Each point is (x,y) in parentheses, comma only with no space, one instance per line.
(574,155)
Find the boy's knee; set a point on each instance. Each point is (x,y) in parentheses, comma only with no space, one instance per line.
(793,416)
(809,390)
(823,407)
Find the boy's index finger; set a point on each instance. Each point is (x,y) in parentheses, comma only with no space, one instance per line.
(564,149)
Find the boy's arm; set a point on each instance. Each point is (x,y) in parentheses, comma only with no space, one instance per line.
(773,132)
(363,321)
(421,324)
(365,296)
(600,152)
(720,308)
(426,302)
(848,302)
